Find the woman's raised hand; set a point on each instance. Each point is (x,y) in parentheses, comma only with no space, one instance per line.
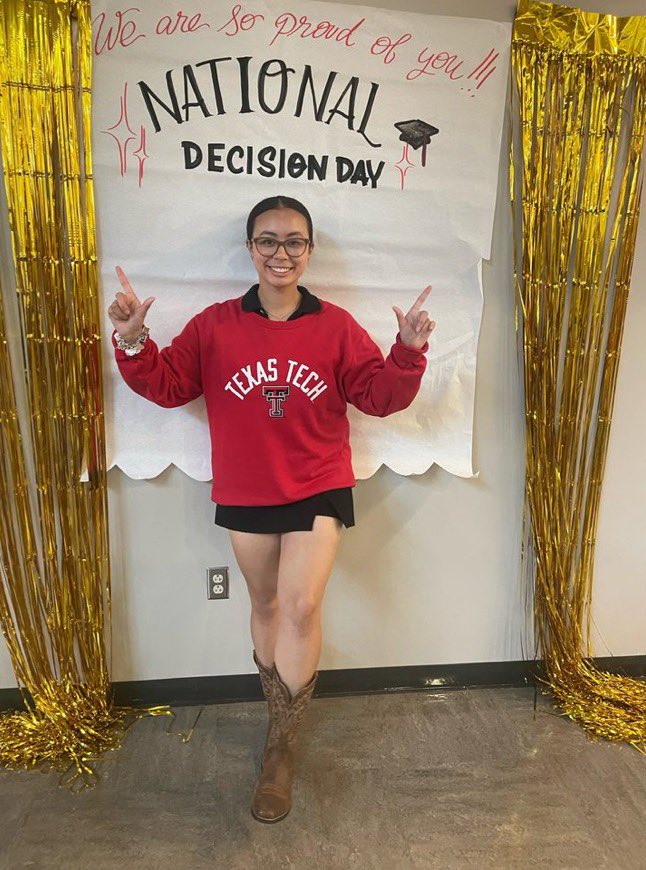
(415,326)
(127,313)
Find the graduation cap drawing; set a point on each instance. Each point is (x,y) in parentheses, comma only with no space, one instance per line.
(416,133)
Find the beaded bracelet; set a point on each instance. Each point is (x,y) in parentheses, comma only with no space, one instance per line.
(135,347)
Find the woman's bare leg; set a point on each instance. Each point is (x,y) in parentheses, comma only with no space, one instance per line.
(306,561)
(258,557)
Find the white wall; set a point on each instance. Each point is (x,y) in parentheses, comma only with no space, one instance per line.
(430,573)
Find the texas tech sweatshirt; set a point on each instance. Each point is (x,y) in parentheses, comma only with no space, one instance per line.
(276,394)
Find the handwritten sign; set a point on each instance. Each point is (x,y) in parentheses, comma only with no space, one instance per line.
(387,125)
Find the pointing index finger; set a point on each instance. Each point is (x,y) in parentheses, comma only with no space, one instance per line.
(420,299)
(121,275)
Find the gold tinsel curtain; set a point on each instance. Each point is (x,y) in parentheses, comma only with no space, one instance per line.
(54,601)
(579,107)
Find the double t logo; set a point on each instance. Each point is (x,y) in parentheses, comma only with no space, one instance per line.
(275,396)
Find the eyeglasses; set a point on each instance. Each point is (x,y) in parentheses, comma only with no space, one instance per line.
(267,247)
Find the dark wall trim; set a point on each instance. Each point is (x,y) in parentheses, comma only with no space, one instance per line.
(187,691)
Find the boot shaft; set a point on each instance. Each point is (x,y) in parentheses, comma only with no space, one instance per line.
(286,711)
(265,675)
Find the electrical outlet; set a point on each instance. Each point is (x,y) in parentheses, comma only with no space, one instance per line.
(217,583)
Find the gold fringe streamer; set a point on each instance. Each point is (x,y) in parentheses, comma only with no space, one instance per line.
(578,124)
(54,619)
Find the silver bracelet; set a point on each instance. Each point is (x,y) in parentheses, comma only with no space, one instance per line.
(135,347)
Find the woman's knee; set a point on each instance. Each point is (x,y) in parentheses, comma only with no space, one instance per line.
(300,610)
(264,603)
(258,558)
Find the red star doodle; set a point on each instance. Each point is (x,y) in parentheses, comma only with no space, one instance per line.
(406,163)
(141,150)
(123,134)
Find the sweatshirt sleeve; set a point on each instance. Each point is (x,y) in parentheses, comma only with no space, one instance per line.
(376,386)
(169,377)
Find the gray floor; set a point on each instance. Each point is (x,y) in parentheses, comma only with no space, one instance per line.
(465,778)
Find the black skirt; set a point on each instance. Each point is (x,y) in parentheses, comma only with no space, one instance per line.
(295,516)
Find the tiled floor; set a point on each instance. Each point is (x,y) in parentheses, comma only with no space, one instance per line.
(454,779)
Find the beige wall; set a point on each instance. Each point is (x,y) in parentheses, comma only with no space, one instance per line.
(430,572)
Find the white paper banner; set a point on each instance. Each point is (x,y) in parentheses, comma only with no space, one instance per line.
(386,125)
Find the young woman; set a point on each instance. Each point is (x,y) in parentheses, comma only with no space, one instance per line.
(277,367)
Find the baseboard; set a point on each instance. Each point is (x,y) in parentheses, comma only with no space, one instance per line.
(187,691)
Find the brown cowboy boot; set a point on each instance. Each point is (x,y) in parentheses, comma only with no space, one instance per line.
(265,682)
(272,797)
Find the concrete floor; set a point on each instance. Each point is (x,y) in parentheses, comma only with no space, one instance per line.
(462,778)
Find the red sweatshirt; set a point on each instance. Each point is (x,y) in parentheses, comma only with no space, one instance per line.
(276,394)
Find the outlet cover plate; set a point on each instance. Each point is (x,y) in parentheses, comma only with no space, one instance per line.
(217,583)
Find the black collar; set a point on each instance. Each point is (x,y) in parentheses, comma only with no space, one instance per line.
(309,302)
